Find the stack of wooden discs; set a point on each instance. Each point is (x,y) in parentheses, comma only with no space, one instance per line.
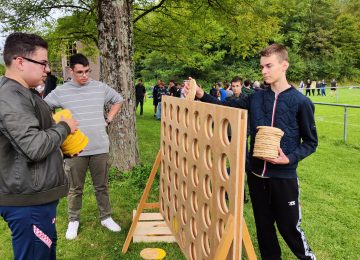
(192,90)
(267,141)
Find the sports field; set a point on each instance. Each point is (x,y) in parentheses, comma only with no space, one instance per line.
(329,181)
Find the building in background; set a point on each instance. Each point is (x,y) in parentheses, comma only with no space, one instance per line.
(73,48)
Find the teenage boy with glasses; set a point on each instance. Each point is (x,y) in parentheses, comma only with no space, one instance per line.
(86,98)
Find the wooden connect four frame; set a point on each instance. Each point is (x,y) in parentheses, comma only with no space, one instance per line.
(197,196)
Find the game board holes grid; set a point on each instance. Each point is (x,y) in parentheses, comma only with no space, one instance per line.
(196,121)
(170,132)
(206,215)
(220,227)
(186,117)
(162,167)
(195,149)
(178,114)
(164,109)
(177,137)
(223,200)
(193,252)
(162,185)
(185,143)
(177,160)
(193,228)
(162,204)
(225,129)
(194,176)
(169,153)
(205,244)
(164,129)
(207,187)
(183,215)
(184,166)
(176,181)
(171,111)
(209,126)
(168,173)
(182,238)
(224,167)
(176,203)
(168,194)
(194,202)
(163,148)
(208,157)
(184,191)
(168,213)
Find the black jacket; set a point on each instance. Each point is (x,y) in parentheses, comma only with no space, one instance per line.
(293,113)
(31,162)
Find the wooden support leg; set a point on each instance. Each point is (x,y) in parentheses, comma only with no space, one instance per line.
(142,203)
(226,240)
(248,246)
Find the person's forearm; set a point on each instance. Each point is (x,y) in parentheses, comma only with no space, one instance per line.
(115,108)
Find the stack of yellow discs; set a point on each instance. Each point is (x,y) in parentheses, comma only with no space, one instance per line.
(74,143)
(267,141)
(153,253)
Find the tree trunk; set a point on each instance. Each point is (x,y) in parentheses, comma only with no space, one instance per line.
(117,70)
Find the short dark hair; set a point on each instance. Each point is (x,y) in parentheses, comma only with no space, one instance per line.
(236,79)
(278,49)
(21,44)
(247,82)
(78,58)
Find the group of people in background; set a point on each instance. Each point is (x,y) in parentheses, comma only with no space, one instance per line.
(320,86)
(220,90)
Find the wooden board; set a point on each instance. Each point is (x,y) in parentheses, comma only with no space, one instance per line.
(197,195)
(152,228)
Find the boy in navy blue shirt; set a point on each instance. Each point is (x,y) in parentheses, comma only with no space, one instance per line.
(273,183)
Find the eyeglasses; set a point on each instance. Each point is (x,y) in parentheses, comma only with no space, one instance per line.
(43,63)
(82,73)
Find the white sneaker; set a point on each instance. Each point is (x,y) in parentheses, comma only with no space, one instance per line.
(72,230)
(110,224)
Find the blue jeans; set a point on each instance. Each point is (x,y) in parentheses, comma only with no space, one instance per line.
(33,230)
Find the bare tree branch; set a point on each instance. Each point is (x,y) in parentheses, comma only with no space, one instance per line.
(149,10)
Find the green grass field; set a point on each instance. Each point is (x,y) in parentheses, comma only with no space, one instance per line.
(330,194)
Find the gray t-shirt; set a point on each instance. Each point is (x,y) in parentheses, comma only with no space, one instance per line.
(86,103)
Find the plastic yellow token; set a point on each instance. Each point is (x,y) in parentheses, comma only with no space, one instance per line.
(74,143)
(175,225)
(153,253)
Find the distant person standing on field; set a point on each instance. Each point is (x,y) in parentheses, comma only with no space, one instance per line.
(155,94)
(313,87)
(308,86)
(140,95)
(323,88)
(333,87)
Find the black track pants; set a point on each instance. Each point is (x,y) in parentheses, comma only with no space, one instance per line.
(276,200)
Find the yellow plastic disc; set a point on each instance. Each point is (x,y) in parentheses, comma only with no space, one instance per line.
(74,143)
(175,225)
(153,253)
(65,113)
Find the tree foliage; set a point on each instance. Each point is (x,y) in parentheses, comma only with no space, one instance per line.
(214,39)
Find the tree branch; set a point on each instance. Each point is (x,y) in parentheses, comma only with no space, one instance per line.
(65,6)
(149,10)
